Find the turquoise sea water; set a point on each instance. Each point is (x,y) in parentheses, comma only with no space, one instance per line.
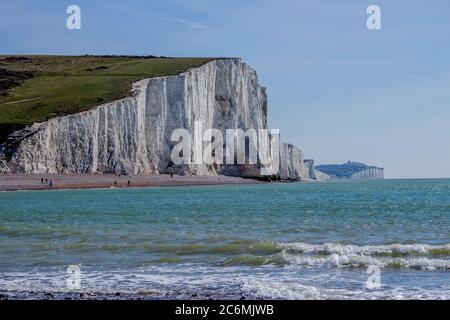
(288,241)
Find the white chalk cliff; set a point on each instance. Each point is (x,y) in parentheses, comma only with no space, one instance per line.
(133,135)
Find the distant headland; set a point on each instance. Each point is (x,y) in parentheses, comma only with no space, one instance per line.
(351,171)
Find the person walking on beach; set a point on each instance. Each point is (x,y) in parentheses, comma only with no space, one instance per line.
(171,175)
(46,180)
(50,183)
(115,183)
(42,180)
(129,183)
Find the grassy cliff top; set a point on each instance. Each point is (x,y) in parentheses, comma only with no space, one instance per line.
(37,88)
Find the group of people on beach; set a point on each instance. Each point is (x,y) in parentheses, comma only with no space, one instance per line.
(47,181)
(128,183)
(118,174)
(50,182)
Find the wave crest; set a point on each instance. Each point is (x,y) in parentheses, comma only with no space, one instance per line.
(396,256)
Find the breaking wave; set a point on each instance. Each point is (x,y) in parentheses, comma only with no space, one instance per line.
(393,250)
(395,256)
(333,255)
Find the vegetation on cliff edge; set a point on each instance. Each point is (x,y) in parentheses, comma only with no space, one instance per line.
(37,88)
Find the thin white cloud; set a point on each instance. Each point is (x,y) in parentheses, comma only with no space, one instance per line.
(189,23)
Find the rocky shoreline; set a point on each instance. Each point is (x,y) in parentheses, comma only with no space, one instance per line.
(84,295)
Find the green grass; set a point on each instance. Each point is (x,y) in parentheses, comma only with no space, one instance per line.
(69,84)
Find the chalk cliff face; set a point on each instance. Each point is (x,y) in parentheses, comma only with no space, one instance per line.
(133,135)
(292,165)
(312,173)
(368,174)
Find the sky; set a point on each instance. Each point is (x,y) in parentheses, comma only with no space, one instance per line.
(336,89)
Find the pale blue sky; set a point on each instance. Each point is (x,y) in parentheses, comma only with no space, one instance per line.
(336,89)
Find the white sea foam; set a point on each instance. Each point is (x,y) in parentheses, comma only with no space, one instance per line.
(181,281)
(272,289)
(408,256)
(369,250)
(355,261)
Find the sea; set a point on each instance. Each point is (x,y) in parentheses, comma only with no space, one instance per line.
(380,239)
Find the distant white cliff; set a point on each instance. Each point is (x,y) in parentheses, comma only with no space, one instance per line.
(133,135)
(351,171)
